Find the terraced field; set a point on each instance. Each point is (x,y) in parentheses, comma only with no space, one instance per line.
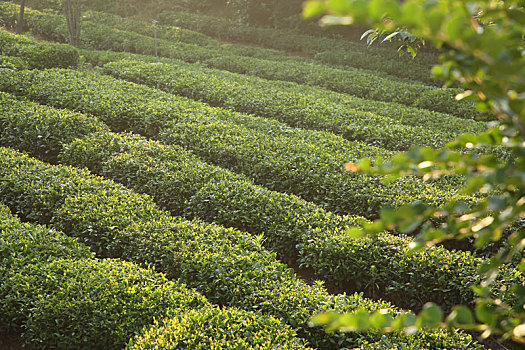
(202,202)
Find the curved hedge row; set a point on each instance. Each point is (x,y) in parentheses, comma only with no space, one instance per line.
(379,267)
(40,130)
(355,82)
(225,329)
(170,35)
(230,268)
(12,62)
(357,54)
(35,20)
(312,43)
(184,184)
(382,124)
(104,31)
(290,162)
(25,244)
(179,330)
(64,299)
(38,55)
(192,8)
(302,162)
(72,304)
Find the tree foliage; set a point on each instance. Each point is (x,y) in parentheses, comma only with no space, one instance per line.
(483,50)
(408,42)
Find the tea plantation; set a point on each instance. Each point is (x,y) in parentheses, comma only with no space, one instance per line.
(201,202)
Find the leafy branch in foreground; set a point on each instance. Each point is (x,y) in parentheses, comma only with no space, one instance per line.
(407,41)
(482,43)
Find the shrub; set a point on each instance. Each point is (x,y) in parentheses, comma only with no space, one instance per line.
(60,297)
(24,244)
(291,160)
(229,267)
(381,124)
(226,329)
(44,130)
(184,184)
(360,56)
(38,54)
(11,62)
(89,303)
(358,82)
(101,34)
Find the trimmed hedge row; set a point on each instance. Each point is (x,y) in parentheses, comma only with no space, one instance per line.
(229,267)
(12,62)
(72,304)
(40,130)
(292,163)
(356,54)
(285,159)
(170,35)
(356,82)
(385,51)
(368,85)
(184,184)
(225,329)
(112,17)
(25,244)
(53,27)
(38,54)
(387,125)
(176,331)
(64,299)
(181,182)
(103,31)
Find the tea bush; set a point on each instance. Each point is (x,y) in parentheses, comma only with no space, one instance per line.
(101,34)
(62,298)
(40,131)
(296,161)
(25,244)
(229,267)
(38,55)
(355,54)
(390,126)
(89,303)
(226,329)
(12,62)
(184,184)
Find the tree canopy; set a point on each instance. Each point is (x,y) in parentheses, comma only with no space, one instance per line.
(483,50)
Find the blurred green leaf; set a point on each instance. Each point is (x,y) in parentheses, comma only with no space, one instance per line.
(313,9)
(460,316)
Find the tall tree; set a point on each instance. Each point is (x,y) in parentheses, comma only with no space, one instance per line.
(20,23)
(73,12)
